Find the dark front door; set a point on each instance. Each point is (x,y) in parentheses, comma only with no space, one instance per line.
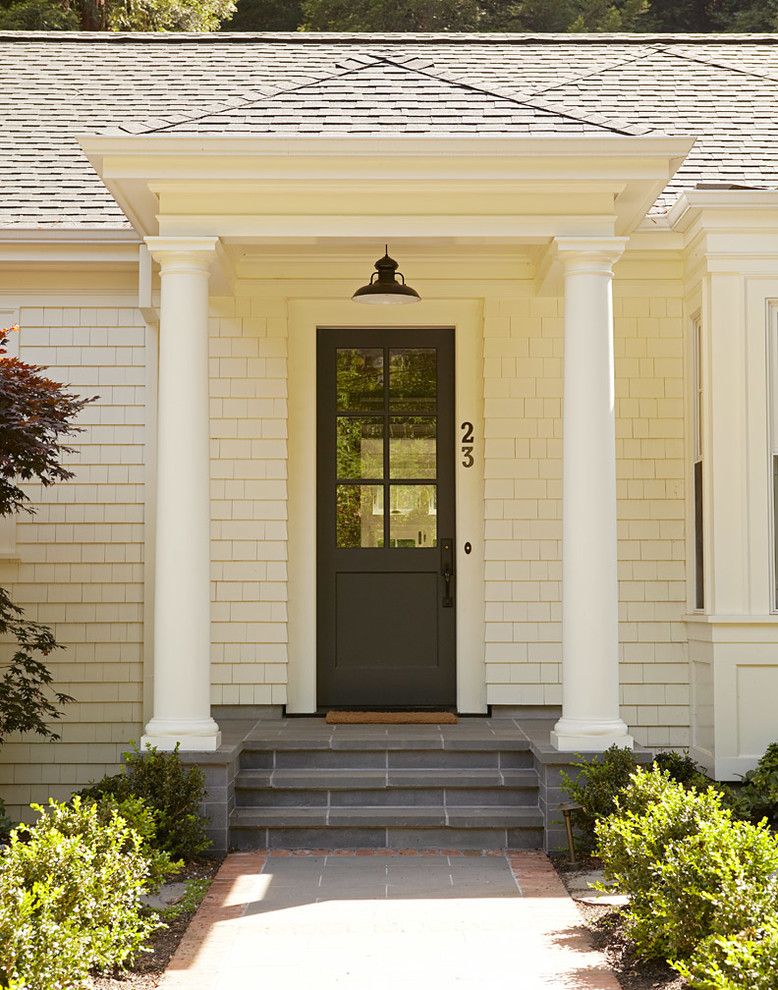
(385,503)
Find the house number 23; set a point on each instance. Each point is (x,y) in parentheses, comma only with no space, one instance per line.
(468,442)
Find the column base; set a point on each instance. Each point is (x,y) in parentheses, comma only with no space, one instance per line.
(573,735)
(191,735)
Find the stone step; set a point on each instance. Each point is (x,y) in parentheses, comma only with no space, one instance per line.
(303,784)
(392,815)
(352,788)
(371,756)
(377,739)
(393,827)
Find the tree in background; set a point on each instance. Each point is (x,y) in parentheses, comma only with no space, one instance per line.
(390,15)
(533,16)
(754,16)
(683,16)
(114,15)
(266,15)
(35,414)
(692,16)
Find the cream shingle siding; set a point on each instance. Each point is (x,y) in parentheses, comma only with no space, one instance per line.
(523,349)
(80,566)
(248,501)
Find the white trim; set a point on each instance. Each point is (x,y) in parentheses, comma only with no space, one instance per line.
(696,397)
(304,318)
(771,364)
(686,208)
(151,351)
(471,146)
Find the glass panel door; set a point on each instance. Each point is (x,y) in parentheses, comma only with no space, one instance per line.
(385,517)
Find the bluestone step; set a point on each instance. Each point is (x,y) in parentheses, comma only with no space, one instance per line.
(325,787)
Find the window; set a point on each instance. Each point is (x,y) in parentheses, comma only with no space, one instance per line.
(9,318)
(697,472)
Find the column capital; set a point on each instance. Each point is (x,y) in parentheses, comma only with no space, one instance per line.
(589,254)
(183,253)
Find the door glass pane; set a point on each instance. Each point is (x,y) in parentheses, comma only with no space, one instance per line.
(360,372)
(360,447)
(412,447)
(360,516)
(413,379)
(413,519)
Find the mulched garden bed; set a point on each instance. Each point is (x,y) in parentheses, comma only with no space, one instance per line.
(606,929)
(149,968)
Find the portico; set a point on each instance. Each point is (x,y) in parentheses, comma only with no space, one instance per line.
(219,218)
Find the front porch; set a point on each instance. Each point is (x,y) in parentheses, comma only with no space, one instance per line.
(514,254)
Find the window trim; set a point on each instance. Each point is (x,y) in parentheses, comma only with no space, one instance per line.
(772,446)
(697,473)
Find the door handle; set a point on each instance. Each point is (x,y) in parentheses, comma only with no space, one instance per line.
(447,570)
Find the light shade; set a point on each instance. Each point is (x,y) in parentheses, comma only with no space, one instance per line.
(383,289)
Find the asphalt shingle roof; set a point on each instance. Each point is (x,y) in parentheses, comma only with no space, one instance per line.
(53,87)
(384,97)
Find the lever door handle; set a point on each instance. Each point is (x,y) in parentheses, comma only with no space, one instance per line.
(447,570)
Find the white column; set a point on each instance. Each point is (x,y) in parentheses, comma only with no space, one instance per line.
(590,599)
(182,599)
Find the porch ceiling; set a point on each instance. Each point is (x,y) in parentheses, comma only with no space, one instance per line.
(474,189)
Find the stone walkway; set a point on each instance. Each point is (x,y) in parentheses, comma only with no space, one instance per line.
(374,921)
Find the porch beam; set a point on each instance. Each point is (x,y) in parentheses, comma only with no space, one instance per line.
(590,601)
(182,600)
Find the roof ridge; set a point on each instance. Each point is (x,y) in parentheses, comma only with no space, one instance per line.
(454,38)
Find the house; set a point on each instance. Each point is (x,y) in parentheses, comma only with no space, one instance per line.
(545,490)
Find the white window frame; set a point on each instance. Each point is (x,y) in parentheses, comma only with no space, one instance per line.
(698,427)
(8,549)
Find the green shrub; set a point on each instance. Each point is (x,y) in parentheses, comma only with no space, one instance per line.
(596,787)
(5,824)
(683,769)
(690,870)
(171,790)
(759,794)
(746,959)
(143,821)
(70,889)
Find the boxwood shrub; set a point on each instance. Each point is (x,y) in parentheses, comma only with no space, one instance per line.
(733,962)
(70,889)
(691,871)
(170,789)
(759,794)
(595,788)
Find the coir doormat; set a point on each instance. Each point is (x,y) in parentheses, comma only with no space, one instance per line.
(391,718)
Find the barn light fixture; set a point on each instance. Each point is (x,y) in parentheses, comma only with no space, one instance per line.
(383,289)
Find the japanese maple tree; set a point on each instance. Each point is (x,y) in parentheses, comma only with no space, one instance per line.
(36,415)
